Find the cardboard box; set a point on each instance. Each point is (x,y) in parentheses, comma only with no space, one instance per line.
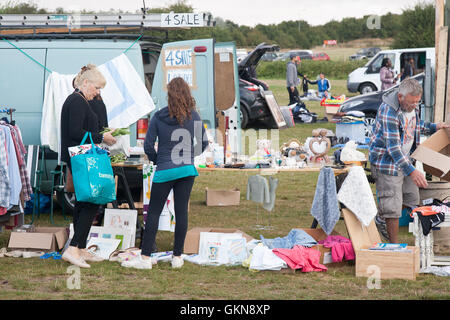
(191,243)
(45,239)
(434,154)
(325,256)
(391,265)
(228,197)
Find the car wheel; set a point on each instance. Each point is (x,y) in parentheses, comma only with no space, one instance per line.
(66,199)
(367,88)
(369,122)
(243,117)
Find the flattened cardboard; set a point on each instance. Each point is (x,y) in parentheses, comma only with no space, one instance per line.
(230,197)
(434,153)
(46,239)
(360,235)
(192,240)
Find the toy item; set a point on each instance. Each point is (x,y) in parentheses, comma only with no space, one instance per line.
(294,153)
(263,151)
(319,145)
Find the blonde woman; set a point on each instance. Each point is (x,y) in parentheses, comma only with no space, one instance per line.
(77,118)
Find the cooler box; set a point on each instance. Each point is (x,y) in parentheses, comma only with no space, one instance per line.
(352,130)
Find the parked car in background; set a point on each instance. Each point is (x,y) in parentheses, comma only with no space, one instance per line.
(321,56)
(269,56)
(369,103)
(253,105)
(303,54)
(365,53)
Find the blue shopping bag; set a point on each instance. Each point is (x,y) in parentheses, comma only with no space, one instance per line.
(93,177)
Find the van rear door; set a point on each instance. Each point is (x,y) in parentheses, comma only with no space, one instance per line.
(192,60)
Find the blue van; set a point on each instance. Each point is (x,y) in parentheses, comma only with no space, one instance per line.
(26,63)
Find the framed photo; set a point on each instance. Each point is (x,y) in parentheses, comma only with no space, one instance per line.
(275,109)
(214,247)
(120,218)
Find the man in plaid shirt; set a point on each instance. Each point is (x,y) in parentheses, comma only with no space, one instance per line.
(396,135)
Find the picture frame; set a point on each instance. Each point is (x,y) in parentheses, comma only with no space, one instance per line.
(275,109)
(120,218)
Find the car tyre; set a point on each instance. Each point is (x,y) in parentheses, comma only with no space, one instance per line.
(369,122)
(243,116)
(66,199)
(367,88)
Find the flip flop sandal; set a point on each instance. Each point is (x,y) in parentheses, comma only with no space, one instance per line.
(48,255)
(114,256)
(57,256)
(93,249)
(118,254)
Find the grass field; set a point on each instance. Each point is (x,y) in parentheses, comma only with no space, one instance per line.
(46,279)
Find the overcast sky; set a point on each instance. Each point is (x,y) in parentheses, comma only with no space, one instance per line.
(252,12)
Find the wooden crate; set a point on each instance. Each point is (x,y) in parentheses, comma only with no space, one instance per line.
(392,265)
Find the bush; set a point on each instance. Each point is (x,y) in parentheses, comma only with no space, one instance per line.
(310,68)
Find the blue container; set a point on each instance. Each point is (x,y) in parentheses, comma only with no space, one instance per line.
(405,218)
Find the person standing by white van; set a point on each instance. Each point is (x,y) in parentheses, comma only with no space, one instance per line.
(387,76)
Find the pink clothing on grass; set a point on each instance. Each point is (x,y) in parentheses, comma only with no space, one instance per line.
(300,257)
(341,248)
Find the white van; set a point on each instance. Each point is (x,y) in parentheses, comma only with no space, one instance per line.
(367,79)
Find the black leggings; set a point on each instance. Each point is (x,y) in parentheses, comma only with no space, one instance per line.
(83,216)
(160,191)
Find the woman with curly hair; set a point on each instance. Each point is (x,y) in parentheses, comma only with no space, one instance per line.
(175,127)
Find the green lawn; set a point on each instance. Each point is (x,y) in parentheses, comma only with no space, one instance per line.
(46,279)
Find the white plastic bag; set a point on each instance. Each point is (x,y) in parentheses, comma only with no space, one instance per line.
(122,145)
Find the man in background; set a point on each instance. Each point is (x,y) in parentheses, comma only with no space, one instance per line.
(292,80)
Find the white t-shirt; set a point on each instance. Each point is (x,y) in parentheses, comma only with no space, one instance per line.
(410,126)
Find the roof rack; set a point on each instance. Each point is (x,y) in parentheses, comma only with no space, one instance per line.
(13,24)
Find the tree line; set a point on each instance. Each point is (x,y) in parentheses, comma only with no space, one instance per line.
(414,27)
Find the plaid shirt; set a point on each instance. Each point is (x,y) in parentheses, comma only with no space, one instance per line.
(385,149)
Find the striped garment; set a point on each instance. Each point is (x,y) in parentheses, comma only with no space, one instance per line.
(5,189)
(385,148)
(20,153)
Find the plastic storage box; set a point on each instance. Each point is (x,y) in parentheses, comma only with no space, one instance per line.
(352,130)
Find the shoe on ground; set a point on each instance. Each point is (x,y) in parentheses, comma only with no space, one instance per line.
(89,257)
(177,262)
(71,259)
(138,263)
(381,226)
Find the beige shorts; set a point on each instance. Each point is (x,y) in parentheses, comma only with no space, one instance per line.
(393,192)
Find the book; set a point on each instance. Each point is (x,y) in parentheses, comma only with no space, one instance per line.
(389,246)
